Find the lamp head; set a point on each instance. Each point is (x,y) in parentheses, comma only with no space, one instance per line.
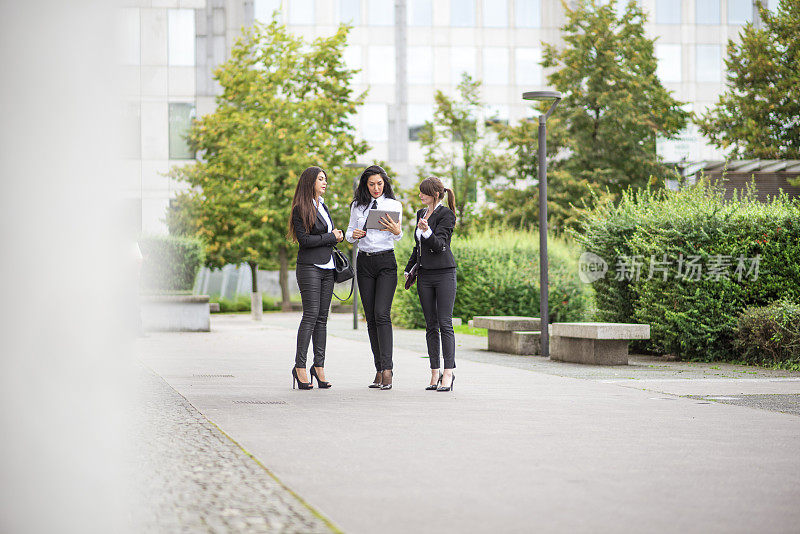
(544,96)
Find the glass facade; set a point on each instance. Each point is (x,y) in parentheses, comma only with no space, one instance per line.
(301,12)
(420,65)
(495,66)
(528,68)
(380,13)
(462,13)
(495,13)
(708,62)
(263,10)
(180,120)
(707,12)
(462,59)
(740,11)
(419,12)
(350,12)
(181,37)
(527,14)
(669,62)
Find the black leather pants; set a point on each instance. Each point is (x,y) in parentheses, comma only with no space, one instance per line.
(316,289)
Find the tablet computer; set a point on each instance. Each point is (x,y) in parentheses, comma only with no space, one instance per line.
(374,218)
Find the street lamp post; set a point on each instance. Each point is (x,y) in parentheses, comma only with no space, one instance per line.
(355,250)
(544,283)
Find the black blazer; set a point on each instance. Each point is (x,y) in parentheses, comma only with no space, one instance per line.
(435,250)
(316,246)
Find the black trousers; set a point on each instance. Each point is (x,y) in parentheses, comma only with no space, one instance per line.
(437,295)
(377,281)
(316,289)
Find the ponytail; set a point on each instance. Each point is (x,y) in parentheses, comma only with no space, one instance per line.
(451,199)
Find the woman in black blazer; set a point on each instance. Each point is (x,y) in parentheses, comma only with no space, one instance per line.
(312,228)
(436,277)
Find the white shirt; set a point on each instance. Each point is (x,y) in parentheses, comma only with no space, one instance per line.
(327,219)
(375,240)
(427,232)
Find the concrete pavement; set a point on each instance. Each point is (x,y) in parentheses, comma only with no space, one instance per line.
(517,447)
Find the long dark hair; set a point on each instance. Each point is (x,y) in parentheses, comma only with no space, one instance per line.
(362,196)
(304,200)
(433,187)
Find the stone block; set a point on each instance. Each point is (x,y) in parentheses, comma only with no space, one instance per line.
(213,307)
(507,323)
(589,351)
(601,330)
(176,313)
(523,343)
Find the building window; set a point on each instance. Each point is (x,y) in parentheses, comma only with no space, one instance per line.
(381,64)
(130,36)
(301,12)
(740,11)
(352,58)
(496,114)
(181,37)
(709,63)
(495,66)
(375,121)
(495,13)
(419,13)
(772,5)
(462,13)
(420,65)
(418,115)
(263,10)
(527,13)
(528,66)
(462,59)
(707,12)
(381,13)
(350,12)
(668,11)
(669,62)
(180,120)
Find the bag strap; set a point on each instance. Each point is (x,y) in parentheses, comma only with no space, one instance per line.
(352,286)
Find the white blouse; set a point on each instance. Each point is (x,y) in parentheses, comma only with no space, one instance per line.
(323,212)
(375,240)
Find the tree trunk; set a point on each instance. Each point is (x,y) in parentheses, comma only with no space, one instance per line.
(283,278)
(256,308)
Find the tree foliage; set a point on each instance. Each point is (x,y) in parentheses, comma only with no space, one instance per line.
(285,105)
(452,145)
(759,115)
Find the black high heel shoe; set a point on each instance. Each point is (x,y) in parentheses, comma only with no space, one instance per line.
(435,387)
(376,384)
(321,384)
(386,381)
(450,387)
(300,384)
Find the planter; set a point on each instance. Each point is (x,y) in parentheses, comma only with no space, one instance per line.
(175,313)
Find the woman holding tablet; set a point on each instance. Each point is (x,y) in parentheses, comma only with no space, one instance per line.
(311,226)
(436,277)
(376,267)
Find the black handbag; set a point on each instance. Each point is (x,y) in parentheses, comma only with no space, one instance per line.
(342,270)
(412,274)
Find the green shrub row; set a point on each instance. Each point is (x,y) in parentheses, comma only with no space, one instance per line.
(242,304)
(170,263)
(770,335)
(498,274)
(693,313)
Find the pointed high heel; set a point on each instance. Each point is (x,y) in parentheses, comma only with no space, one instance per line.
(300,384)
(320,383)
(435,387)
(450,387)
(386,381)
(376,384)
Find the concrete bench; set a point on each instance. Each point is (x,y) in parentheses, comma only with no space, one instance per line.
(213,307)
(175,313)
(511,334)
(594,343)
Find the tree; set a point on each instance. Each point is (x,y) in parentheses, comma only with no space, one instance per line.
(285,105)
(450,143)
(614,105)
(759,115)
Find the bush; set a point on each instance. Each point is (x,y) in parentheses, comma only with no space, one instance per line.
(770,335)
(170,262)
(693,318)
(498,274)
(242,304)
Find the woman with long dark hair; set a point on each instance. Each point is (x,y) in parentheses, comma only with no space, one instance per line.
(436,277)
(311,226)
(376,266)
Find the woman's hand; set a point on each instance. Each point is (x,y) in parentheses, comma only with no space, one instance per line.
(358,234)
(390,226)
(405,275)
(423,224)
(339,235)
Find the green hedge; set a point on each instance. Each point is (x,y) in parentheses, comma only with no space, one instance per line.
(498,274)
(693,318)
(770,335)
(170,262)
(242,304)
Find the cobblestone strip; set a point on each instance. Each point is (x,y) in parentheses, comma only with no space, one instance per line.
(188,476)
